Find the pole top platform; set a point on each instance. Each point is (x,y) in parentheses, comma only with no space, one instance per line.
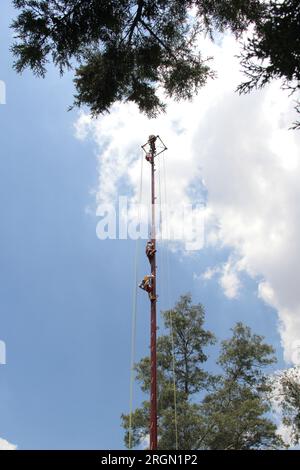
(154,145)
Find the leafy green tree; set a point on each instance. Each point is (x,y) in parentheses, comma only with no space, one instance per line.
(189,340)
(286,395)
(124,49)
(273,52)
(234,411)
(234,414)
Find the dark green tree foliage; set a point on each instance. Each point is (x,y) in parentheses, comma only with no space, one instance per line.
(234,414)
(190,339)
(123,50)
(274,50)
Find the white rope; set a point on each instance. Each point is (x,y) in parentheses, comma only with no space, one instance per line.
(134,308)
(169,301)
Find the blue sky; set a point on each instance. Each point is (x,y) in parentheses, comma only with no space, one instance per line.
(65,296)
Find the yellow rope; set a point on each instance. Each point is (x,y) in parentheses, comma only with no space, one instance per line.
(134,309)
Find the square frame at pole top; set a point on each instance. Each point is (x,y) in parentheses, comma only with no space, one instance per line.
(162,147)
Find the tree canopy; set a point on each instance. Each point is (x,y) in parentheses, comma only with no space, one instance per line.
(128,50)
(273,51)
(226,411)
(235,413)
(123,50)
(189,342)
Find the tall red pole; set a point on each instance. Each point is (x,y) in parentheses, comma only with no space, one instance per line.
(153,391)
(150,157)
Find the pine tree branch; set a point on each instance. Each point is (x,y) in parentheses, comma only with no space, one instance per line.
(137,18)
(160,41)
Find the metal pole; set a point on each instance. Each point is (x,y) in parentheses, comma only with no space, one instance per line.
(153,391)
(150,157)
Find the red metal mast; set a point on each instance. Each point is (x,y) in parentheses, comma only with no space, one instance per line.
(151,153)
(153,391)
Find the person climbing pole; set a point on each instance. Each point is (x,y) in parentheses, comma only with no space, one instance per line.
(147,285)
(150,155)
(152,140)
(150,250)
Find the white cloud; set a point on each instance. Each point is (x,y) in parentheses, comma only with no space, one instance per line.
(208,274)
(5,445)
(228,278)
(242,150)
(266,293)
(230,281)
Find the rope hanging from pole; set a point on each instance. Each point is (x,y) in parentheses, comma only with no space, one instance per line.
(152,148)
(167,234)
(134,308)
